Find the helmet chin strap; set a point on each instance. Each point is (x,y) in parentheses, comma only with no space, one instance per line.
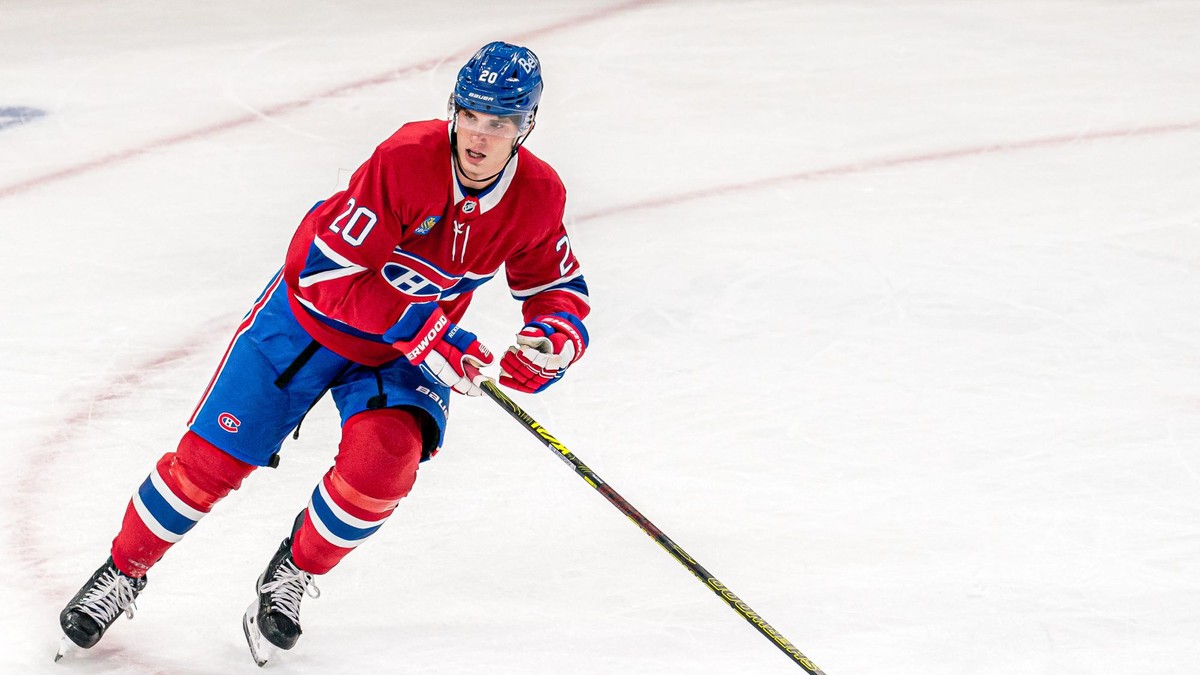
(458,167)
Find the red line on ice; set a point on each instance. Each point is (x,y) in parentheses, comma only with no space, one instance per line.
(290,106)
(881,163)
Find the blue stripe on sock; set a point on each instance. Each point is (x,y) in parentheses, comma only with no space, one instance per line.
(164,513)
(339,528)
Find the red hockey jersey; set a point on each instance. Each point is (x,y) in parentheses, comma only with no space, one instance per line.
(403,234)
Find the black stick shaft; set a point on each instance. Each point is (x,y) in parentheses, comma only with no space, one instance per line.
(649,528)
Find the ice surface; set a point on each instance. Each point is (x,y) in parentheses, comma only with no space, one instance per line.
(897,308)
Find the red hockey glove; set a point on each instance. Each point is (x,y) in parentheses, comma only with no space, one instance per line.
(545,348)
(446,354)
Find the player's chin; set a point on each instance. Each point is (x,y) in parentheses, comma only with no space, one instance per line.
(481,170)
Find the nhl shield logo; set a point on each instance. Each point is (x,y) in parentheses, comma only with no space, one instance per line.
(427,225)
(468,209)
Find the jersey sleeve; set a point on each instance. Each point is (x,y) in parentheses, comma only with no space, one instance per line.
(546,277)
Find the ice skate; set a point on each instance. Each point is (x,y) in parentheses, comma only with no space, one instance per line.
(273,621)
(104,597)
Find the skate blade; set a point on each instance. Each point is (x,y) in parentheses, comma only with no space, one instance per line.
(260,649)
(65,646)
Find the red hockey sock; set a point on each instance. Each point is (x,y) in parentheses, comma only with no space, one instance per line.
(180,490)
(376,466)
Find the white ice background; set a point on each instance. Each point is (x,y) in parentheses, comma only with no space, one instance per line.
(896,328)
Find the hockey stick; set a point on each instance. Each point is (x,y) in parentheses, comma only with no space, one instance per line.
(743,610)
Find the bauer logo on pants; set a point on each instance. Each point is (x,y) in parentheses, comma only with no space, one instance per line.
(229,422)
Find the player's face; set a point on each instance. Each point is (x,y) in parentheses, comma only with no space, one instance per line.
(485,143)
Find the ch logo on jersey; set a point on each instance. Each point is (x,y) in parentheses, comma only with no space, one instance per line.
(416,278)
(410,282)
(229,423)
(427,225)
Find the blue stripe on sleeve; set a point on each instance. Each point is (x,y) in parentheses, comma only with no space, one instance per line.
(575,284)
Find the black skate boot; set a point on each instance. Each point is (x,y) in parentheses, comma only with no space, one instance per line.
(104,597)
(274,620)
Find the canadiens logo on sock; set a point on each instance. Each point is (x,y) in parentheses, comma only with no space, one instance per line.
(229,422)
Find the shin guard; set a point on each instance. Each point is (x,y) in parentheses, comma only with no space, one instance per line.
(179,491)
(375,468)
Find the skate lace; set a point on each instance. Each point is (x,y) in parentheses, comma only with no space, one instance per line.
(287,587)
(112,594)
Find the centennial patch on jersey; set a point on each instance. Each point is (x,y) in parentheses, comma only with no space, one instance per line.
(427,225)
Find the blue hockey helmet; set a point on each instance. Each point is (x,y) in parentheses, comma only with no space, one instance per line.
(501,79)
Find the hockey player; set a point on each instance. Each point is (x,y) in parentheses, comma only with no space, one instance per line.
(366,308)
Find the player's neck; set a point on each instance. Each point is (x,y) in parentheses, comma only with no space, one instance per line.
(475,185)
